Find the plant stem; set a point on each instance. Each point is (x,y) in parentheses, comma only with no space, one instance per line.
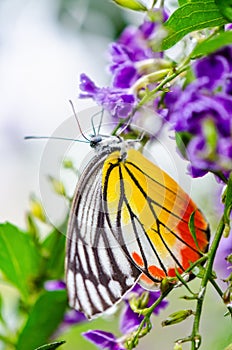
(169,78)
(206,278)
(146,319)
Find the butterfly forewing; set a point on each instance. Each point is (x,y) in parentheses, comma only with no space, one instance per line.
(98,272)
(150,214)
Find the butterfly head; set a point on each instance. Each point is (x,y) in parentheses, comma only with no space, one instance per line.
(95,141)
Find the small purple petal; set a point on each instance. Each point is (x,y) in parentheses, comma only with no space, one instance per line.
(125,77)
(153,296)
(228,85)
(222,266)
(129,319)
(54,285)
(214,67)
(73,317)
(104,340)
(147,29)
(87,86)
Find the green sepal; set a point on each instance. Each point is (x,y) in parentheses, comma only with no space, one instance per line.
(177,317)
(192,230)
(131,5)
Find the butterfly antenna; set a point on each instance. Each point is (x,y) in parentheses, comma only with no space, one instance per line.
(128,121)
(79,126)
(99,126)
(53,138)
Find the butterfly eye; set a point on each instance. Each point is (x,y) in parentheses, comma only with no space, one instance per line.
(95,140)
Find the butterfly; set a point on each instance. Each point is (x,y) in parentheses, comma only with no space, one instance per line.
(129,222)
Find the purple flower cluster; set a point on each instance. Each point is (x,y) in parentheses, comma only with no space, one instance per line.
(203,110)
(129,322)
(131,58)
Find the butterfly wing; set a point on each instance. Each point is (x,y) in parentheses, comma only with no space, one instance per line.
(98,273)
(149,214)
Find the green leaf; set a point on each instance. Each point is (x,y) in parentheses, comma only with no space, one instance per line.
(211,45)
(182,140)
(192,16)
(131,4)
(182,280)
(51,346)
(192,230)
(43,320)
(225,7)
(228,201)
(19,258)
(53,249)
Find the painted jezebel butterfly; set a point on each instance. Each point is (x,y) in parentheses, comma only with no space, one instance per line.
(129,221)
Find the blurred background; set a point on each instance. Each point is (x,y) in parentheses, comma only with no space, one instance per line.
(44,47)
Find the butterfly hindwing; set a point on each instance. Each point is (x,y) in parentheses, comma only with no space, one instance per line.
(98,272)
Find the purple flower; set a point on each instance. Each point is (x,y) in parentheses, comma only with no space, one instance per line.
(54,285)
(128,323)
(131,320)
(103,340)
(132,49)
(73,317)
(203,109)
(216,67)
(222,265)
(131,57)
(118,102)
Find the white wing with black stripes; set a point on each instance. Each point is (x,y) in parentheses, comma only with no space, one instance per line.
(98,273)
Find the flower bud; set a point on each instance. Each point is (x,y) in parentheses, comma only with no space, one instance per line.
(58,186)
(31,225)
(227,296)
(165,285)
(37,210)
(177,317)
(226,231)
(131,4)
(177,346)
(68,164)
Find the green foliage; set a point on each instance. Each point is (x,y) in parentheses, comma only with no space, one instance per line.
(211,45)
(19,258)
(225,7)
(44,318)
(194,15)
(26,263)
(51,346)
(53,248)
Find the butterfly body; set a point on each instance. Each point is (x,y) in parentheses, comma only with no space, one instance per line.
(128,219)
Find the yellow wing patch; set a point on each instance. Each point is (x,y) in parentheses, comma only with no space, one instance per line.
(147,207)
